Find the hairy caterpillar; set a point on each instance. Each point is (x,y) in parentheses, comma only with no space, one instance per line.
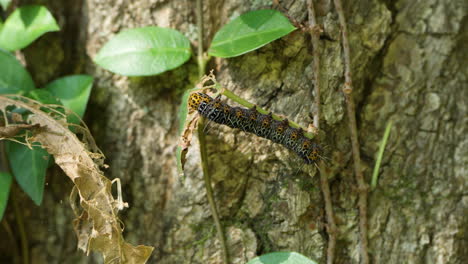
(250,120)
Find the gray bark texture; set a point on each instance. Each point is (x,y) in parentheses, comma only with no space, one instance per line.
(409,65)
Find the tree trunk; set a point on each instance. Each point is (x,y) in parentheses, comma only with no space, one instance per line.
(409,66)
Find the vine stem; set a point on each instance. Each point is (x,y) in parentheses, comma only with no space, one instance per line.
(202,139)
(209,190)
(324,172)
(347,91)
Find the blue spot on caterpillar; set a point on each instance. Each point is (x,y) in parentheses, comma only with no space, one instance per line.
(250,120)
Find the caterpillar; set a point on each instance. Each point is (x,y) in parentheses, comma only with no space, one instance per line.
(250,120)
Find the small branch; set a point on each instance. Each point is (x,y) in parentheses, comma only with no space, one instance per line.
(324,172)
(209,190)
(315,33)
(331,226)
(201,59)
(202,139)
(347,90)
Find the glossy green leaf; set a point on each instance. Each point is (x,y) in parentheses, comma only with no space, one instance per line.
(5,183)
(25,25)
(73,91)
(281,258)
(144,51)
(29,168)
(5,4)
(13,77)
(248,32)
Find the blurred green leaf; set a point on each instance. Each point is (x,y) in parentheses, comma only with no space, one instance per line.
(29,168)
(43,96)
(5,183)
(5,4)
(248,32)
(13,77)
(281,258)
(25,25)
(73,91)
(144,51)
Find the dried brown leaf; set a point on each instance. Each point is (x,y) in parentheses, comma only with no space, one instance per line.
(97,226)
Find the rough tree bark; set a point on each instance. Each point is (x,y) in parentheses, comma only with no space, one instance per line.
(410,66)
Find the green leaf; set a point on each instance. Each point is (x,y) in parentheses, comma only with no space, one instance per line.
(29,168)
(13,77)
(73,91)
(248,32)
(281,258)
(4,4)
(43,96)
(25,25)
(5,183)
(144,51)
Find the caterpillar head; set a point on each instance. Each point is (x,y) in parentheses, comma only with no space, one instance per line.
(197,99)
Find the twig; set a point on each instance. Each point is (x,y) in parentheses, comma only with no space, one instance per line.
(331,224)
(200,56)
(209,190)
(201,137)
(347,90)
(315,33)
(324,172)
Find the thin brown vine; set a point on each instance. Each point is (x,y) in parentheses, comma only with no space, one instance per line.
(325,187)
(347,91)
(202,60)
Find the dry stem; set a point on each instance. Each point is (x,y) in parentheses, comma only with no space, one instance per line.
(201,136)
(331,227)
(347,90)
(331,224)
